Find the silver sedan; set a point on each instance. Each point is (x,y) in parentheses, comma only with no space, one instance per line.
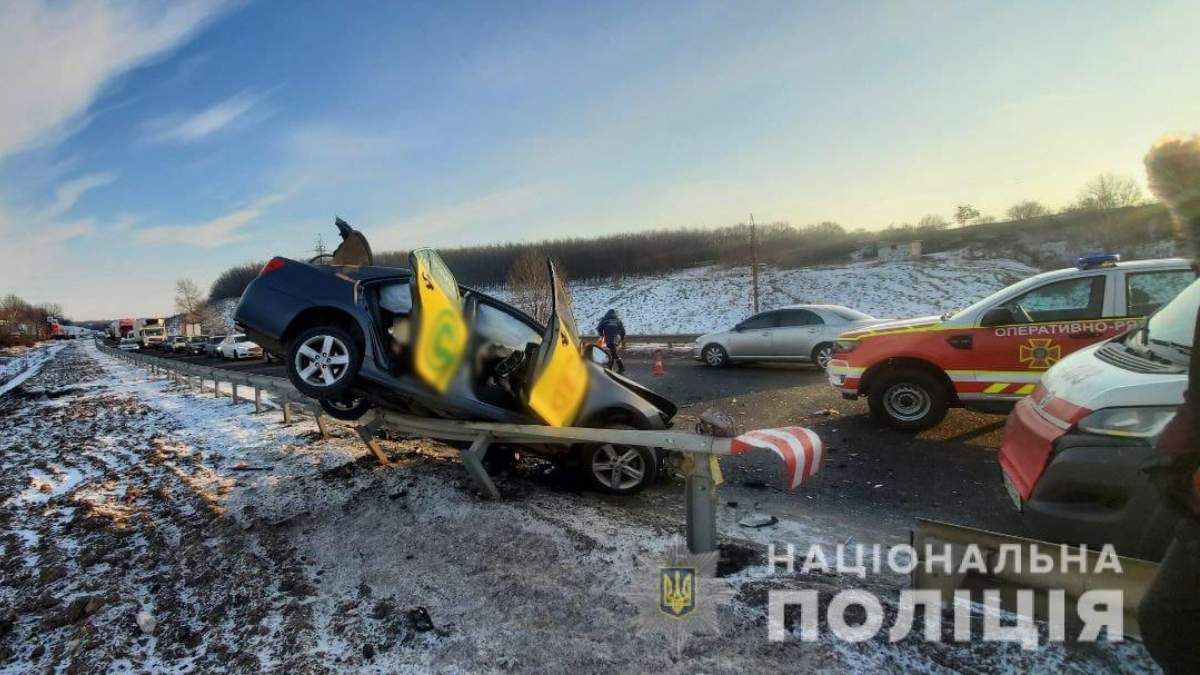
(800,333)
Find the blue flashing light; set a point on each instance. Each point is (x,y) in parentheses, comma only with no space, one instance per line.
(1094,260)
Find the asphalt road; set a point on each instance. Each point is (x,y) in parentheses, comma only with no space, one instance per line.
(875,481)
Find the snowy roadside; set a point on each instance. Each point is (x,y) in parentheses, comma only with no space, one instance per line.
(15,370)
(255,546)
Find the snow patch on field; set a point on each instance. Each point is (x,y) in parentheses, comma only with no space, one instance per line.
(705,299)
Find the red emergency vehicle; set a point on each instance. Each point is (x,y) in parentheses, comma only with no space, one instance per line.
(991,354)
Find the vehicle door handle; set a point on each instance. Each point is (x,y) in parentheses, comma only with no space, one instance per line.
(961,341)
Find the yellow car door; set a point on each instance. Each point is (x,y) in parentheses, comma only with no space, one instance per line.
(440,332)
(560,378)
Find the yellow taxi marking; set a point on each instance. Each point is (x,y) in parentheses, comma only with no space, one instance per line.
(558,393)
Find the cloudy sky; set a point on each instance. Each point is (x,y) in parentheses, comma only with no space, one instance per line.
(142,142)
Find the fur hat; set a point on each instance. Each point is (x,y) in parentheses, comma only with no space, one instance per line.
(1173,169)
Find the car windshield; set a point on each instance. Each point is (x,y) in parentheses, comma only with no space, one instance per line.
(1169,334)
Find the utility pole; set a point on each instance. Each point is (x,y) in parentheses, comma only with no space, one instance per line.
(754,261)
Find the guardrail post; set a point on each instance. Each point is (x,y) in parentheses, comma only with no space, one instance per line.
(233,388)
(701,503)
(321,425)
(216,388)
(472,458)
(367,433)
(287,411)
(257,400)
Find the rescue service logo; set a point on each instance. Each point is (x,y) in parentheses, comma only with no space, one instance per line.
(678,595)
(1040,353)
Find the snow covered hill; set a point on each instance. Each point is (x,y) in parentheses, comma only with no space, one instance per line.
(710,298)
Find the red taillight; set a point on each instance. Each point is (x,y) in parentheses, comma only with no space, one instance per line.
(272,265)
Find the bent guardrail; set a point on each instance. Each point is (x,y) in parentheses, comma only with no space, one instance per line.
(798,448)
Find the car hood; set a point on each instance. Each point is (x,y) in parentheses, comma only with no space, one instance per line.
(657,400)
(1084,381)
(884,326)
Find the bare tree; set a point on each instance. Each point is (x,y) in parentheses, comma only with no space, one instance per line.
(965,213)
(529,283)
(1108,191)
(191,304)
(933,222)
(1027,210)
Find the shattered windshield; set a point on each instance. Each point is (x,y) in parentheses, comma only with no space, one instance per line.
(1170,332)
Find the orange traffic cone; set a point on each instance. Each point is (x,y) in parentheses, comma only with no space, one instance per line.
(659,368)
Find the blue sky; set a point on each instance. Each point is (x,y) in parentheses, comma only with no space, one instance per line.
(142,142)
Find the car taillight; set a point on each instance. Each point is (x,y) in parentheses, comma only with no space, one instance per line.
(272,265)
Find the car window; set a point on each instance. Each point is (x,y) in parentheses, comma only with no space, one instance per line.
(1066,300)
(1145,292)
(495,325)
(764,320)
(396,298)
(799,317)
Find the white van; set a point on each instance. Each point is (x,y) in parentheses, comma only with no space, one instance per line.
(1073,449)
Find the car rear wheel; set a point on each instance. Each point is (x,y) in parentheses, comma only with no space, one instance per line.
(347,407)
(822,354)
(715,356)
(323,361)
(619,469)
(909,400)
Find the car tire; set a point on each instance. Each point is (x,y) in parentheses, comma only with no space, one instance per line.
(342,359)
(908,400)
(714,356)
(822,354)
(619,469)
(348,407)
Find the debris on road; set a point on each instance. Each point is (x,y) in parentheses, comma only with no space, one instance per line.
(758,519)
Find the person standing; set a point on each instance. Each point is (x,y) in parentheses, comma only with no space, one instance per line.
(613,331)
(1169,614)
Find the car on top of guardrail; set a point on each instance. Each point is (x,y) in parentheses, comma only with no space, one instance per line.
(355,335)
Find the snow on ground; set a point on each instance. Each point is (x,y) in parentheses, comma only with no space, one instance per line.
(25,364)
(712,298)
(255,546)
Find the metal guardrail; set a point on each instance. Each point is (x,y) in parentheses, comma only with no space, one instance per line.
(699,465)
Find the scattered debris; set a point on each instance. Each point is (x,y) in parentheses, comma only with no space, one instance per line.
(419,620)
(146,622)
(758,519)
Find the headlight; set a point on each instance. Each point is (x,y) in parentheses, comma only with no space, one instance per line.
(842,346)
(1140,422)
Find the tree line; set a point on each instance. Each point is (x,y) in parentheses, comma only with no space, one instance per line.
(777,244)
(23,323)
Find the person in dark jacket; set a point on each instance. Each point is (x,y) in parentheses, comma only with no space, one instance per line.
(1169,614)
(613,332)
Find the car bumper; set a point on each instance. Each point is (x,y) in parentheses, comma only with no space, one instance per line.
(844,377)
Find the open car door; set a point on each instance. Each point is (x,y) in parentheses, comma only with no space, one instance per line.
(559,381)
(440,334)
(354,249)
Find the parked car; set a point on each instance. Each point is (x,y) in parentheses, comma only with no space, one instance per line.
(214,342)
(1073,450)
(175,343)
(238,346)
(355,336)
(991,354)
(128,345)
(195,345)
(803,333)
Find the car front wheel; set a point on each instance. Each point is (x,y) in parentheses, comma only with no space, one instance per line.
(909,400)
(619,469)
(715,356)
(347,407)
(323,361)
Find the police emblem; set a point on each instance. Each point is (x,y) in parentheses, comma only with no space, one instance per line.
(1040,353)
(677,596)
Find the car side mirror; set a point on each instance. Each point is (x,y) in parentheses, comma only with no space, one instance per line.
(596,355)
(998,316)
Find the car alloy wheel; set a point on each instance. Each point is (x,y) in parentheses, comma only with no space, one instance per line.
(619,467)
(322,360)
(823,355)
(714,355)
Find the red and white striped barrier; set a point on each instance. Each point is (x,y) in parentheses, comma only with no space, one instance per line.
(800,449)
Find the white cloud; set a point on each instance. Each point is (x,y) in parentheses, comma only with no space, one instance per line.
(56,56)
(462,222)
(208,121)
(224,229)
(69,192)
